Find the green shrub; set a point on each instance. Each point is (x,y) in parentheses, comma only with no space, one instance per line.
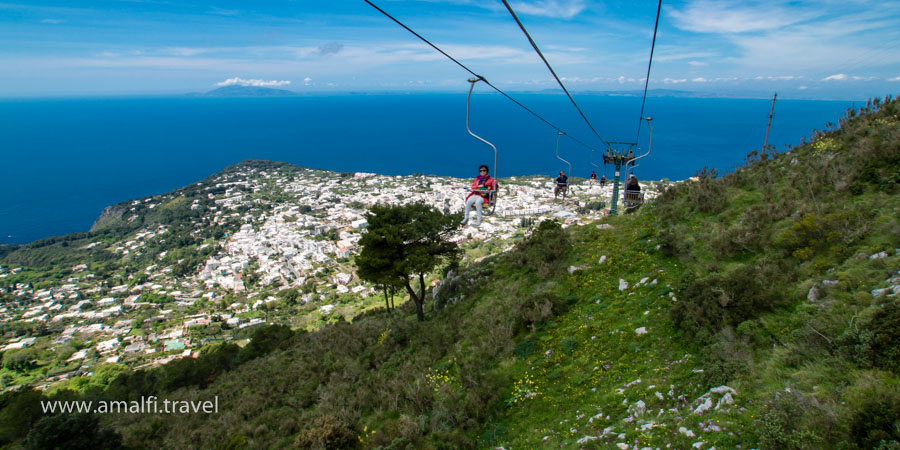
(72,431)
(875,342)
(877,421)
(544,251)
(327,432)
(791,421)
(715,301)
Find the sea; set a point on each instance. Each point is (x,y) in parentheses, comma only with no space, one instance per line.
(62,161)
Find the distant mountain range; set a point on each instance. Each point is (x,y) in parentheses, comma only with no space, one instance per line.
(244,91)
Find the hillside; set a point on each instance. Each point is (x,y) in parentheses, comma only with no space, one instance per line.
(754,310)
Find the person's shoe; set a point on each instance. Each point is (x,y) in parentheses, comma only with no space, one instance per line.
(463,223)
(478,224)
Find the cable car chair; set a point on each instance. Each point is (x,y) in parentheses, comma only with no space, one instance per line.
(566,186)
(492,194)
(634,199)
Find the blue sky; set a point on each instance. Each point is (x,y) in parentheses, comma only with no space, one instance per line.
(842,49)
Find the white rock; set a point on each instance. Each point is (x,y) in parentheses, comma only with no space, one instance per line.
(643,280)
(879,255)
(705,406)
(653,283)
(623,284)
(686,432)
(587,439)
(602,259)
(829,283)
(659,395)
(604,226)
(727,399)
(812,296)
(723,389)
(698,444)
(641,330)
(622,445)
(638,408)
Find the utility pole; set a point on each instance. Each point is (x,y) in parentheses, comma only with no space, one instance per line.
(771,113)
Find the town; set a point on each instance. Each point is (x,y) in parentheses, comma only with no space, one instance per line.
(288,260)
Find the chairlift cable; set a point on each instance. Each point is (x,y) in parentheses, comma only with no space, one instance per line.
(536,49)
(647,79)
(473,73)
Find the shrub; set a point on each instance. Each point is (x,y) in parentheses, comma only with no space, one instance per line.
(537,307)
(877,421)
(327,432)
(544,250)
(714,301)
(72,431)
(781,425)
(876,340)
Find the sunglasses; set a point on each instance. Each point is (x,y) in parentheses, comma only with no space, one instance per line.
(482,170)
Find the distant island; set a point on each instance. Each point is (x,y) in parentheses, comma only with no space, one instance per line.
(244,91)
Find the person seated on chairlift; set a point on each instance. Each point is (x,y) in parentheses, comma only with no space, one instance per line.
(480,194)
(632,184)
(593,176)
(603,180)
(562,184)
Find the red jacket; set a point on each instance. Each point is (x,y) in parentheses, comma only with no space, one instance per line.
(483,183)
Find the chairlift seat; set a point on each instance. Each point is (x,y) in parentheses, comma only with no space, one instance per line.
(633,199)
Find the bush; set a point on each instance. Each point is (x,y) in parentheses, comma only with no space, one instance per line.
(782,426)
(877,421)
(544,250)
(327,432)
(876,340)
(715,301)
(72,431)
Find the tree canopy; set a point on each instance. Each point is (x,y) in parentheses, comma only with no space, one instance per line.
(405,241)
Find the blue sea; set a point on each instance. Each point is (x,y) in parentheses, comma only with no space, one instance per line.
(63,160)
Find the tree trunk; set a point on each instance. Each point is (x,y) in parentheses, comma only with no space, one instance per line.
(386,304)
(420,312)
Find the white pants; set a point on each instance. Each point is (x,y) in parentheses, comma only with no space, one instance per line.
(476,200)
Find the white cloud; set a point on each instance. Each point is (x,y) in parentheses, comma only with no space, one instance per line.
(729,16)
(699,80)
(306,81)
(258,83)
(668,80)
(697,64)
(894,79)
(838,76)
(53,21)
(557,9)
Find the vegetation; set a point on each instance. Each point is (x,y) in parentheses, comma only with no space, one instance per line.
(405,241)
(757,309)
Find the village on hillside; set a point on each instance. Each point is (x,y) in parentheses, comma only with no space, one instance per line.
(289,259)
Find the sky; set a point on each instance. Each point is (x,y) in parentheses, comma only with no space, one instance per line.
(820,49)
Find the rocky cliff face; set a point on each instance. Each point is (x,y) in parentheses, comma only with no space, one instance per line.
(111,215)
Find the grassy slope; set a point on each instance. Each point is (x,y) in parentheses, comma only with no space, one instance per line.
(531,353)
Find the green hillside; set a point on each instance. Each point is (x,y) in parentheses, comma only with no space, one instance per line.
(754,310)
